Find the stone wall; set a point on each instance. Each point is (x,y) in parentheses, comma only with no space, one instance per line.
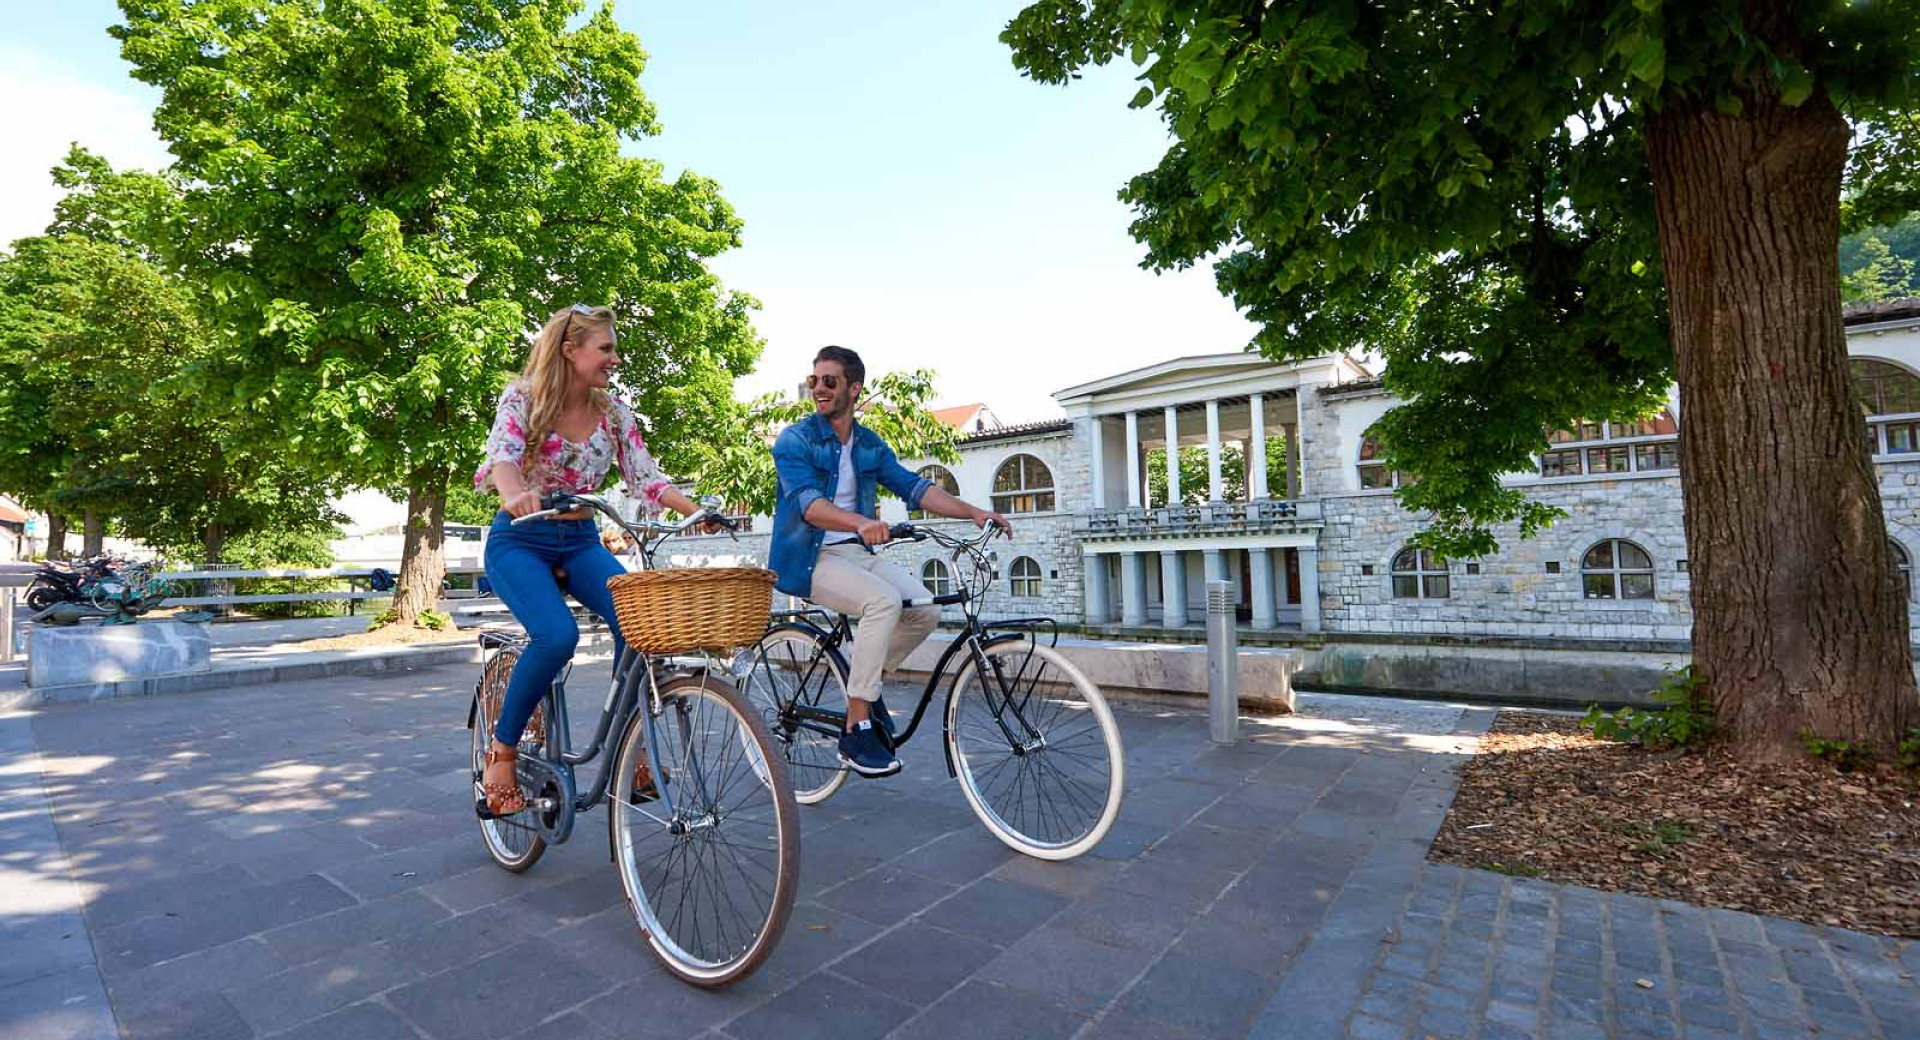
(1514,594)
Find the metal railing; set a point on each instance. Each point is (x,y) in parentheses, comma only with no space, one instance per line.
(1210,519)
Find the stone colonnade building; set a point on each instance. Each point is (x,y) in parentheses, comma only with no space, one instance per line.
(1296,511)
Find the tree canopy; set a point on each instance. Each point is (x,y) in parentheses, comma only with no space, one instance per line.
(384,199)
(1464,190)
(94,335)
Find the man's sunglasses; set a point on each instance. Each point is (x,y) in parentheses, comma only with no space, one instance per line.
(830,382)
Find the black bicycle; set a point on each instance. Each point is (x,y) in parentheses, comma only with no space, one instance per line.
(1029,737)
(702,825)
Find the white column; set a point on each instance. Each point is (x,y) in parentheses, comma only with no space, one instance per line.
(1173,456)
(1216,565)
(1173,588)
(1293,461)
(1133,589)
(1097,459)
(1216,488)
(1310,589)
(1133,460)
(1257,449)
(1261,570)
(1099,603)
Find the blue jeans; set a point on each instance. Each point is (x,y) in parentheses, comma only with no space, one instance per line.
(520,562)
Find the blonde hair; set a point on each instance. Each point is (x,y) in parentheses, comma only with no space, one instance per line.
(545,377)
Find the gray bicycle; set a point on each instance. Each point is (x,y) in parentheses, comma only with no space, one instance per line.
(701,825)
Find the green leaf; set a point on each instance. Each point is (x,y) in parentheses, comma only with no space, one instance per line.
(1142,99)
(1649,64)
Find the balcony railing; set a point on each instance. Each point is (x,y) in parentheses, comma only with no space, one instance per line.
(1220,518)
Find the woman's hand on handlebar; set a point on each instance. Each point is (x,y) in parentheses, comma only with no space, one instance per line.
(519,505)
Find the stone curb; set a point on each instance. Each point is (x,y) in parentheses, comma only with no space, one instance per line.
(291,667)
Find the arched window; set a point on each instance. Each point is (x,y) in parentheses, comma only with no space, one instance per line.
(1903,567)
(1885,388)
(1372,467)
(1026,576)
(943,479)
(1419,574)
(937,577)
(1617,569)
(1023,484)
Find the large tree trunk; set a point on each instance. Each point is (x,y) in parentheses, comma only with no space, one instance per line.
(56,536)
(1799,621)
(95,528)
(423,562)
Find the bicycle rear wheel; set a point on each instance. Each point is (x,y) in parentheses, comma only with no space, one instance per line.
(783,676)
(1036,750)
(513,841)
(711,862)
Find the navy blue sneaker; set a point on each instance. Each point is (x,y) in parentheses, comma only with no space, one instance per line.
(864,750)
(884,719)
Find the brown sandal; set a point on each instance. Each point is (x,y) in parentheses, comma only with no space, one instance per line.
(644,789)
(503,799)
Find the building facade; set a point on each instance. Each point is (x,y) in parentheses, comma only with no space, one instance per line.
(1298,514)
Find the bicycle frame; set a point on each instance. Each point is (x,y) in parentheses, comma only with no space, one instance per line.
(975,638)
(558,761)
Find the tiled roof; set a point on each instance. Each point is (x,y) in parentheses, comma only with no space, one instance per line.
(1020,430)
(1360,387)
(957,415)
(1872,313)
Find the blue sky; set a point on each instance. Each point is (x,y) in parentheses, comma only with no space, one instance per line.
(905,192)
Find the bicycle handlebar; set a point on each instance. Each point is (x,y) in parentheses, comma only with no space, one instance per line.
(563,502)
(910,533)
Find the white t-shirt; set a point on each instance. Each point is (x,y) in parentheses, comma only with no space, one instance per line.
(846,493)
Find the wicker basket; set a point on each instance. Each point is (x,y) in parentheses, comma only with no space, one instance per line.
(677,611)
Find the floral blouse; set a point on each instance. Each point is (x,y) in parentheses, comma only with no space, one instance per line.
(576,466)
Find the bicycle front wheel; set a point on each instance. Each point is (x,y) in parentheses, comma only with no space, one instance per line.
(709,847)
(1036,750)
(787,677)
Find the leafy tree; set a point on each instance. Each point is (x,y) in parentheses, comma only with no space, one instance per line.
(1551,209)
(93,339)
(737,462)
(1195,480)
(468,506)
(1881,274)
(386,197)
(1902,241)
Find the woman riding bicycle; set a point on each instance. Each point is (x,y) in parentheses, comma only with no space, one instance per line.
(560,403)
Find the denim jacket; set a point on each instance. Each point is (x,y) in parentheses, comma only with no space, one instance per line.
(807,458)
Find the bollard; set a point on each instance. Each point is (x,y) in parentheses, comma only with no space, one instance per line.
(1223,665)
(6,624)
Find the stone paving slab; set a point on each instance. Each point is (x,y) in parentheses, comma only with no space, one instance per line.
(296,861)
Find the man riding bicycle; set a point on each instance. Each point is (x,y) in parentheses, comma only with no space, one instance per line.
(824,529)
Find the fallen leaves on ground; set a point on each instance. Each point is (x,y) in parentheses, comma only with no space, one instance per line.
(386,635)
(1544,798)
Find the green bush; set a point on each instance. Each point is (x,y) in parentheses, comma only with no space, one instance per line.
(1685,718)
(1909,757)
(432,619)
(309,547)
(1845,755)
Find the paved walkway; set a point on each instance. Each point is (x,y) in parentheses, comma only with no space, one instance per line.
(297,862)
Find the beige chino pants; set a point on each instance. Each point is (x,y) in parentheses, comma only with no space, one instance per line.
(863,585)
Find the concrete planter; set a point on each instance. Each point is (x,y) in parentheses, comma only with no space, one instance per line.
(110,653)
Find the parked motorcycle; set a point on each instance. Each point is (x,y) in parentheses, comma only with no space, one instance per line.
(119,590)
(59,582)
